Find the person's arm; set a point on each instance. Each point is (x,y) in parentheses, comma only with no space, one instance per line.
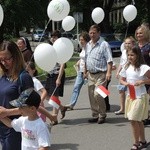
(43,94)
(9,112)
(145,81)
(7,122)
(123,81)
(118,70)
(61,71)
(109,70)
(47,114)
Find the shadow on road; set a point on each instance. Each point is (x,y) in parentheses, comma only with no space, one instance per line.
(66,146)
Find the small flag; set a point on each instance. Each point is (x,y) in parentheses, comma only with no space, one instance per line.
(102,91)
(54,101)
(132,92)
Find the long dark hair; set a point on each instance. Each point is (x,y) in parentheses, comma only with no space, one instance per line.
(139,57)
(33,67)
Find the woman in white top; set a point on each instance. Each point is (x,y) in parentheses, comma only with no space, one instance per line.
(135,74)
(80,66)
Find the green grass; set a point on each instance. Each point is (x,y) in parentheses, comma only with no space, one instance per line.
(70,71)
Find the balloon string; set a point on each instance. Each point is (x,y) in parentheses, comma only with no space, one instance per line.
(39,41)
(127,30)
(44,30)
(133,2)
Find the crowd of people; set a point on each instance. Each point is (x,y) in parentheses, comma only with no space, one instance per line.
(22,95)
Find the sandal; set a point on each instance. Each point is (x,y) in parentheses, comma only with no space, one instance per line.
(143,144)
(135,147)
(119,112)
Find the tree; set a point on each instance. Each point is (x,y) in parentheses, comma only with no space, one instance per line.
(22,13)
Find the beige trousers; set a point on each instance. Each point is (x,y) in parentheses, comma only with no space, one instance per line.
(97,102)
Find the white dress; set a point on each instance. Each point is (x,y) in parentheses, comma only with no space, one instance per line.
(38,86)
(35,134)
(136,109)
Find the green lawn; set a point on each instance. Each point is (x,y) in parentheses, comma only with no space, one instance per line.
(70,71)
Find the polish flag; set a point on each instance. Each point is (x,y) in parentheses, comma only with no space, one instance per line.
(102,91)
(132,92)
(54,101)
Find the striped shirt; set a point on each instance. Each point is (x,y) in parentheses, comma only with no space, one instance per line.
(98,56)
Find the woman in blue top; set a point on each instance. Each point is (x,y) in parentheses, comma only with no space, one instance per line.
(13,80)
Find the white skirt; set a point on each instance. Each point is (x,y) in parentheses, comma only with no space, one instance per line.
(137,109)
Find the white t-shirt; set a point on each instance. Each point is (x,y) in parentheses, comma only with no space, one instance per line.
(35,134)
(82,60)
(132,76)
(37,85)
(123,59)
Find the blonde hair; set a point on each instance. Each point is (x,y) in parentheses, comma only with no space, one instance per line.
(146,33)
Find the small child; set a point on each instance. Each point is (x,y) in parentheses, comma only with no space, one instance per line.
(35,134)
(135,74)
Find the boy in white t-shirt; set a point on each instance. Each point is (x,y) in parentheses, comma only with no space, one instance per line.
(34,132)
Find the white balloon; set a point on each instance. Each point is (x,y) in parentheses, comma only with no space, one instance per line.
(57,10)
(1,15)
(68,23)
(129,13)
(98,15)
(45,56)
(64,49)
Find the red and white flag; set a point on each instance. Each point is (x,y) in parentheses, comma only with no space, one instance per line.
(54,101)
(102,91)
(132,92)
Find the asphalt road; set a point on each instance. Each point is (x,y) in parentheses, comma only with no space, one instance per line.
(75,133)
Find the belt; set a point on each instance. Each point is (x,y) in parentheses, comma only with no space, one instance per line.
(97,72)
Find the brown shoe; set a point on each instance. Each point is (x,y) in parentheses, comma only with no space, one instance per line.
(101,120)
(63,112)
(54,123)
(93,120)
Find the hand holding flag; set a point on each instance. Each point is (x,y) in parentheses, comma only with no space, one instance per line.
(54,101)
(132,92)
(102,91)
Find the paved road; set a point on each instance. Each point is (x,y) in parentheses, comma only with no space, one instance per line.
(75,133)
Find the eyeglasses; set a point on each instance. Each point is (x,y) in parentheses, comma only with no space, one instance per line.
(5,59)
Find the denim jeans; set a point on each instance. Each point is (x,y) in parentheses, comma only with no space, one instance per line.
(77,87)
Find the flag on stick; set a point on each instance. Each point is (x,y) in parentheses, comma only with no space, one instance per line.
(102,91)
(54,101)
(132,92)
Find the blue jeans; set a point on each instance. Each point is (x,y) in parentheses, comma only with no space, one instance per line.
(77,87)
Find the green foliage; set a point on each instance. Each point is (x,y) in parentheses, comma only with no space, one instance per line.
(70,71)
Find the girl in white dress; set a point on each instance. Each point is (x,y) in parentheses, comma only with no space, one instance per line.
(39,88)
(135,74)
(128,43)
